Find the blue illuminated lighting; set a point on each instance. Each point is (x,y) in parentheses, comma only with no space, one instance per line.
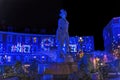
(43,57)
(34,57)
(25,47)
(86,43)
(111,35)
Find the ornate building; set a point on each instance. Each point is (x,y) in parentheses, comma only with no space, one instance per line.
(111,35)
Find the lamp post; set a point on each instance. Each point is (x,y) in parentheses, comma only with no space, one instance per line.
(80,41)
(79,54)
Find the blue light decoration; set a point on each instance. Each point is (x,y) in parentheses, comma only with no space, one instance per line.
(73,44)
(86,43)
(111,36)
(20,46)
(9,59)
(47,43)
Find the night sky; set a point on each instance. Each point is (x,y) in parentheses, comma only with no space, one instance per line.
(86,17)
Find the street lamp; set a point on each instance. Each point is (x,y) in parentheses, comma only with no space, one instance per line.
(80,41)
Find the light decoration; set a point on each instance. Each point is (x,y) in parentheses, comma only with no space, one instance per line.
(43,57)
(34,39)
(85,44)
(105,58)
(9,58)
(115,52)
(119,35)
(20,48)
(112,42)
(46,44)
(34,57)
(73,44)
(95,62)
(73,47)
(17,45)
(80,41)
(81,54)
(5,56)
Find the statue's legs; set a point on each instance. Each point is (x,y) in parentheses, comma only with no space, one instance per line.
(60,42)
(62,38)
(67,43)
(61,45)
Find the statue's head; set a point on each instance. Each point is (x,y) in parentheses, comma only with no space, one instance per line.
(63,13)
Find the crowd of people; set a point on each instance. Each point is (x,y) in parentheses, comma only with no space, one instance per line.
(21,72)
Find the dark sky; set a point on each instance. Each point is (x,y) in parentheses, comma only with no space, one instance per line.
(86,17)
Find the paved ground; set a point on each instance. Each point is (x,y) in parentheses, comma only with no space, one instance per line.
(112,76)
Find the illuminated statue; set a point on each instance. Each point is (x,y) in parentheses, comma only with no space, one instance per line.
(62,34)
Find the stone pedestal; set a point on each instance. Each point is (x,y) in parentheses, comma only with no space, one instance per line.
(69,58)
(62,68)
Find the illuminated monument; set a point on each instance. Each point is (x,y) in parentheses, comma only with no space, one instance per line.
(111,35)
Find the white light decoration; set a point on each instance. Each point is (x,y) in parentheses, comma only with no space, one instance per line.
(80,39)
(26,48)
(73,47)
(46,44)
(118,34)
(9,58)
(34,57)
(20,48)
(43,57)
(5,56)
